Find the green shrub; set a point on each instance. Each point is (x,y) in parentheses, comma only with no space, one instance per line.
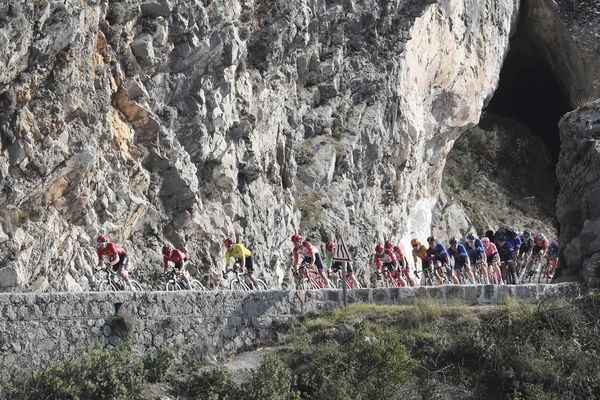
(210,384)
(104,373)
(273,380)
(158,363)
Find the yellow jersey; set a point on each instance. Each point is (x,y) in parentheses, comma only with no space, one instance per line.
(420,252)
(238,251)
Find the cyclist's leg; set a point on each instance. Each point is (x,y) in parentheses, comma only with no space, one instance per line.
(250,272)
(454,272)
(319,265)
(182,273)
(121,269)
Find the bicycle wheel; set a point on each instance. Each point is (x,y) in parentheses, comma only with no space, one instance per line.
(235,284)
(196,285)
(106,286)
(135,285)
(172,286)
(262,285)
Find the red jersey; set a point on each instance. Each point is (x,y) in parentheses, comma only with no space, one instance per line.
(541,244)
(177,256)
(305,250)
(387,257)
(110,250)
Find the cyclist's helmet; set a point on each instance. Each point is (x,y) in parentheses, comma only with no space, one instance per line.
(431,239)
(485,240)
(379,248)
(526,234)
(389,244)
(167,249)
(330,245)
(296,238)
(471,237)
(228,242)
(453,241)
(540,236)
(415,242)
(101,240)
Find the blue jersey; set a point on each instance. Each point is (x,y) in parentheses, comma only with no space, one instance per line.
(438,253)
(553,250)
(518,242)
(459,254)
(476,252)
(506,251)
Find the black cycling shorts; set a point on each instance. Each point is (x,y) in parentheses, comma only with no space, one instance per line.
(337,266)
(249,265)
(123,261)
(318,261)
(180,265)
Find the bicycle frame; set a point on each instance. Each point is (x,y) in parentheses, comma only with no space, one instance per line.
(173,277)
(242,278)
(312,277)
(110,278)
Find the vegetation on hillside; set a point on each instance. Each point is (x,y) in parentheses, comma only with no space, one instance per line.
(519,350)
(502,174)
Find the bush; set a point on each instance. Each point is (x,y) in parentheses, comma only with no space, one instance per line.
(273,380)
(104,373)
(158,363)
(370,364)
(209,384)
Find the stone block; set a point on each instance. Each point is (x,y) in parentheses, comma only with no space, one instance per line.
(156,8)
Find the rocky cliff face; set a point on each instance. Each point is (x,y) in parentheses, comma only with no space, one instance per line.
(188,120)
(579,200)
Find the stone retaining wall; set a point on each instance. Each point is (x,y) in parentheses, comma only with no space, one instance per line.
(36,328)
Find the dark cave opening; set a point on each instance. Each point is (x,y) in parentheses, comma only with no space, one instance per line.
(529,93)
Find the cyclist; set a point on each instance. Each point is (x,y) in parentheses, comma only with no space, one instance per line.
(177,257)
(552,260)
(524,256)
(540,244)
(492,258)
(461,260)
(438,256)
(507,263)
(118,259)
(310,255)
(335,267)
(477,257)
(241,255)
(387,264)
(419,252)
(403,265)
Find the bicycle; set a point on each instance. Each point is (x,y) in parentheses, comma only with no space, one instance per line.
(427,276)
(547,273)
(242,282)
(532,268)
(110,284)
(311,279)
(464,277)
(337,280)
(174,282)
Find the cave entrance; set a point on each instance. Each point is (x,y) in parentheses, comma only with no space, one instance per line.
(507,163)
(529,93)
